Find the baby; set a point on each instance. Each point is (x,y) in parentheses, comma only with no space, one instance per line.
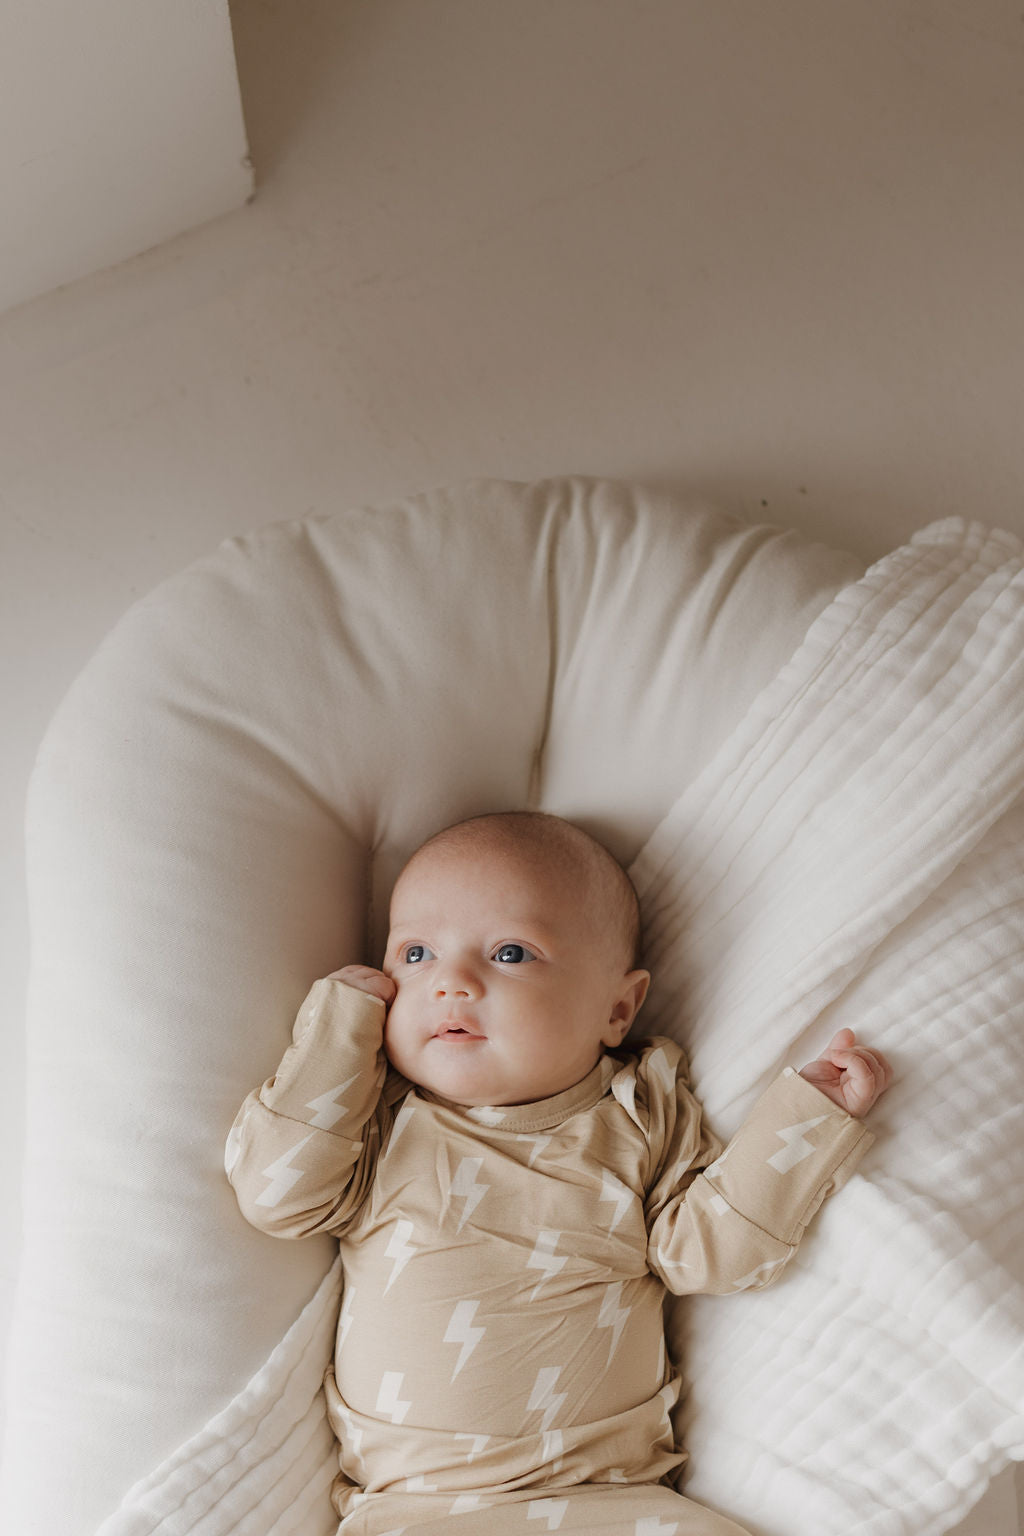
(513,1193)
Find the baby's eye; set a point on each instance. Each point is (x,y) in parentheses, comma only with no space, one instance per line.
(412,954)
(513,954)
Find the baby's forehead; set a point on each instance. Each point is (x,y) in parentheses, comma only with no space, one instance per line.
(467,863)
(533,879)
(471,850)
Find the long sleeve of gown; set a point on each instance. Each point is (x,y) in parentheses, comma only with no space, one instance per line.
(301,1152)
(729,1220)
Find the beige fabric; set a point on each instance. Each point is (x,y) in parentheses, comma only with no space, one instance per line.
(501,1326)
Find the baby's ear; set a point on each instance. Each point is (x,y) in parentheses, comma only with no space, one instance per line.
(627,1005)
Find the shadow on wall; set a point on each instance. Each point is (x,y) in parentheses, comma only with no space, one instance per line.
(289,58)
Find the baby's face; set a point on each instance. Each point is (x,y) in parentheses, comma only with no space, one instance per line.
(506,993)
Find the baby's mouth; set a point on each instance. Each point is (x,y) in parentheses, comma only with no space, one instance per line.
(456,1029)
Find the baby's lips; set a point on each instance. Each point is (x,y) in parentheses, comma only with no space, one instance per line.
(458,1027)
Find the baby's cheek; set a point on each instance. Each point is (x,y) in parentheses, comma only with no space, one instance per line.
(396,1032)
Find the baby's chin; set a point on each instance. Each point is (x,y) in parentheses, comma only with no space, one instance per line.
(458,1073)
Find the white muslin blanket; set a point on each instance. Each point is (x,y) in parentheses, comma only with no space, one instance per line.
(853,855)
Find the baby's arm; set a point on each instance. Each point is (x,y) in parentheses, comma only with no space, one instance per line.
(731,1221)
(301,1151)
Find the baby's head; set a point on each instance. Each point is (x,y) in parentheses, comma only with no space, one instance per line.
(513,946)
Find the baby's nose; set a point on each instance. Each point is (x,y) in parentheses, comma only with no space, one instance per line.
(457,981)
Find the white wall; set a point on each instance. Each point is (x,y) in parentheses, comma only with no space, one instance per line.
(772,252)
(120,126)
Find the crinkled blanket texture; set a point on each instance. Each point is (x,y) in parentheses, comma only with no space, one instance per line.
(852,856)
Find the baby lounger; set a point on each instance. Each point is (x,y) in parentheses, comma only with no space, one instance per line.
(816,774)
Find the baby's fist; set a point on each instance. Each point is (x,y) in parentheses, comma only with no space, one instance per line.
(849,1074)
(366,979)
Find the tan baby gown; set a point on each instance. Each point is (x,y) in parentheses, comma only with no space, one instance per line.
(500,1362)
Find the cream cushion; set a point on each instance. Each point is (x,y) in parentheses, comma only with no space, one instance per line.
(216,817)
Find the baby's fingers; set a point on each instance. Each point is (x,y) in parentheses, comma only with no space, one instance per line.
(365,978)
(866,1075)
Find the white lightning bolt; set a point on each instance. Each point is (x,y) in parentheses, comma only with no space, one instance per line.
(669,1263)
(328,1111)
(419,1485)
(232,1147)
(543,1258)
(487,1115)
(713,1170)
(460,1330)
(659,1066)
(552,1510)
(465,1186)
(345,1315)
(624,1089)
(282,1177)
(613,1315)
(479,1441)
(544,1394)
(354,1437)
(650,1525)
(796,1148)
(401,1121)
(539,1143)
(745,1281)
(551,1448)
(400,1249)
(466,1502)
(611,1189)
(388,1400)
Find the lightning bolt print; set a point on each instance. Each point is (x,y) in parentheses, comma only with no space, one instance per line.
(388,1400)
(659,1067)
(487,1115)
(796,1148)
(543,1258)
(612,1190)
(345,1315)
(551,1448)
(232,1148)
(400,1249)
(479,1441)
(539,1143)
(551,1510)
(746,1281)
(650,1525)
(713,1170)
(624,1089)
(465,1186)
(460,1330)
(328,1111)
(354,1436)
(667,1262)
(463,1504)
(544,1397)
(613,1315)
(282,1175)
(401,1121)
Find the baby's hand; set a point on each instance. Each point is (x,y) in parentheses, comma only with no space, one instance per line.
(849,1074)
(366,979)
